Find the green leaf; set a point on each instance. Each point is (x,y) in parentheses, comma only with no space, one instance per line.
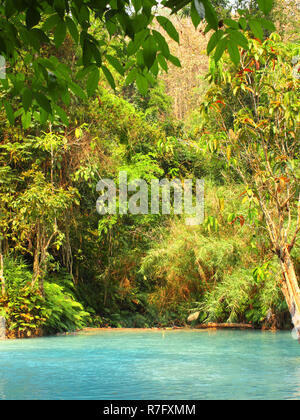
(32,17)
(233,52)
(84,71)
(61,113)
(265,5)
(72,28)
(210,15)
(9,9)
(87,53)
(92,82)
(9,112)
(115,63)
(26,98)
(199,8)
(162,62)
(96,53)
(231,23)
(26,120)
(109,77)
(256,28)
(174,60)
(43,102)
(135,44)
(239,38)
(243,23)
(216,36)
(50,22)
(161,43)
(195,16)
(65,97)
(137,4)
(154,69)
(142,84)
(220,49)
(60,33)
(131,76)
(168,27)
(149,51)
(267,24)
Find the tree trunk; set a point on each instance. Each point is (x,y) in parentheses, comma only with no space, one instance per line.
(2,328)
(36,257)
(291,291)
(36,267)
(2,278)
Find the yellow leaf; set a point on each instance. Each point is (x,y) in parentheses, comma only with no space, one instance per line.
(77,133)
(228,152)
(248,88)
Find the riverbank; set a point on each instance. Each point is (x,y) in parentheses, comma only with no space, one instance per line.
(200,327)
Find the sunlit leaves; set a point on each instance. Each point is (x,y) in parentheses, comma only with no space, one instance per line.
(256,29)
(168,27)
(162,62)
(221,47)
(161,43)
(265,5)
(142,83)
(174,60)
(210,15)
(131,76)
(197,12)
(216,36)
(33,25)
(115,63)
(238,38)
(109,76)
(149,51)
(234,52)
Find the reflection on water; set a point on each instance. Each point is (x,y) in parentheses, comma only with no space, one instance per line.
(152,365)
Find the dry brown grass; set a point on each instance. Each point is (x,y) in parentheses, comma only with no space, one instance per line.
(185,84)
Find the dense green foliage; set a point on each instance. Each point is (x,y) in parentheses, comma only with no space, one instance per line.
(31,28)
(28,312)
(66,266)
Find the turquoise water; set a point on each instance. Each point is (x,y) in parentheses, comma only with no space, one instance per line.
(116,365)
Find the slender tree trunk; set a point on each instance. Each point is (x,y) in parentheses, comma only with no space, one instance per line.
(36,257)
(36,266)
(2,278)
(291,289)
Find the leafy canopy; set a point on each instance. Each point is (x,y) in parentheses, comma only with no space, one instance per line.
(30,28)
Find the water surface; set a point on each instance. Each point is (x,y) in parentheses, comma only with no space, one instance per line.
(138,365)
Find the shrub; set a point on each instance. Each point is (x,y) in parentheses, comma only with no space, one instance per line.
(64,313)
(22,304)
(28,313)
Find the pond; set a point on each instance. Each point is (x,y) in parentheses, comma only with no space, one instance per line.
(149,365)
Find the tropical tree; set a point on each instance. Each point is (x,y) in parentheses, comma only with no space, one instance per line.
(32,200)
(32,30)
(258,110)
